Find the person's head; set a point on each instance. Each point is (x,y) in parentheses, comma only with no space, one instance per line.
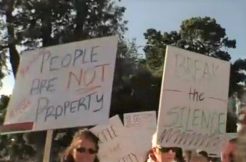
(228,151)
(240,155)
(150,157)
(198,158)
(164,154)
(83,148)
(204,154)
(187,155)
(179,154)
(241,122)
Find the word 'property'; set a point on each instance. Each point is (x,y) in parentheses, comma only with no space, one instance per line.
(47,111)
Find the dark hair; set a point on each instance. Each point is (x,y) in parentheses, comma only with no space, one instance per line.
(179,154)
(84,134)
(149,155)
(204,154)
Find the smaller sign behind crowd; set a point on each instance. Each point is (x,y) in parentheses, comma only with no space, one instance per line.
(139,129)
(142,126)
(110,139)
(126,144)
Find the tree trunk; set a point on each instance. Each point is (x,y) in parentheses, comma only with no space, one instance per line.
(13,53)
(81,9)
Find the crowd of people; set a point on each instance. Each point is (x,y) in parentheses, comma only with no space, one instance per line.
(84,147)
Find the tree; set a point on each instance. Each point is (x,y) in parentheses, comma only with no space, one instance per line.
(202,35)
(43,23)
(238,77)
(8,40)
(16,148)
(131,90)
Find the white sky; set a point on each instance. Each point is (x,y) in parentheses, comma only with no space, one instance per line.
(167,15)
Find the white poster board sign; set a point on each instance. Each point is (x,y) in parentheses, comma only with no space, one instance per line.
(139,128)
(115,145)
(110,142)
(140,124)
(63,86)
(140,120)
(193,101)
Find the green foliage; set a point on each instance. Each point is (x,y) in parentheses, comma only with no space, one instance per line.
(12,146)
(2,51)
(33,24)
(202,35)
(133,82)
(238,76)
(45,23)
(3,104)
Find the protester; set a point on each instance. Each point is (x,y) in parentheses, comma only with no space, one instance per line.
(83,148)
(196,157)
(150,157)
(162,154)
(179,154)
(187,155)
(240,153)
(228,152)
(204,154)
(236,147)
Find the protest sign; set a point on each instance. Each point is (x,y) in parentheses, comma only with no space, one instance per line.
(64,86)
(193,100)
(139,128)
(139,120)
(140,124)
(109,136)
(114,144)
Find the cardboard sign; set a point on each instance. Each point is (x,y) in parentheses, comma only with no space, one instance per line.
(64,86)
(117,143)
(139,128)
(110,139)
(193,101)
(139,120)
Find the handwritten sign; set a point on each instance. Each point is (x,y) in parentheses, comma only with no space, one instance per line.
(193,101)
(146,119)
(64,86)
(115,145)
(141,126)
(109,136)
